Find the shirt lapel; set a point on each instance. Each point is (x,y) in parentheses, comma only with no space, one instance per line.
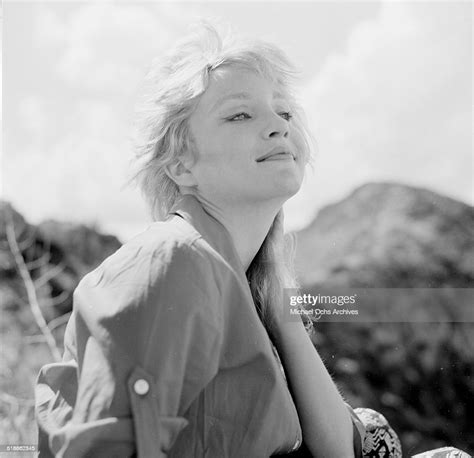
(212,231)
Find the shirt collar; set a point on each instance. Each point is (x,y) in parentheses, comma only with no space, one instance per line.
(211,230)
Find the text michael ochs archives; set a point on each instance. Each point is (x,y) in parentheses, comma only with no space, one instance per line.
(380,305)
(330,305)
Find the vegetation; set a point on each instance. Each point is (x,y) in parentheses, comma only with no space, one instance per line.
(417,373)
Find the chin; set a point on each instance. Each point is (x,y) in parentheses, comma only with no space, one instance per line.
(286,189)
(289,185)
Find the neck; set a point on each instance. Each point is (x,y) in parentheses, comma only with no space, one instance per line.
(248,224)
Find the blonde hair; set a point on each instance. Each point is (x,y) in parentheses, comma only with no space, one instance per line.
(173,87)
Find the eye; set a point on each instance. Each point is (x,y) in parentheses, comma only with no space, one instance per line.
(286,115)
(239,117)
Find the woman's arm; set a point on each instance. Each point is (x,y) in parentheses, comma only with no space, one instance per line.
(143,341)
(325,419)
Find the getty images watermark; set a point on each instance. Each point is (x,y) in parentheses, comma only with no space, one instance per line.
(396,305)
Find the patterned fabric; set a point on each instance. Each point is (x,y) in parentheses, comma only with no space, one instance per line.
(444,452)
(380,441)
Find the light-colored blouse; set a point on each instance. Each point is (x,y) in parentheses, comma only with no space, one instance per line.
(165,355)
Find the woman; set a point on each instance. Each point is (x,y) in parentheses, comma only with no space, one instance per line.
(172,348)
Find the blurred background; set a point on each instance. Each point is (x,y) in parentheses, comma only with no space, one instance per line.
(387,87)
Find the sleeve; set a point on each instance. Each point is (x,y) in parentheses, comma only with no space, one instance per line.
(143,341)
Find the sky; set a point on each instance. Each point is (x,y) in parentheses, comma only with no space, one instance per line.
(386,86)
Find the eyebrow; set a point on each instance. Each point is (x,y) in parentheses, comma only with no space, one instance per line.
(241,96)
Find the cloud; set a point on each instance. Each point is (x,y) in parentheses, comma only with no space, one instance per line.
(70,148)
(104,45)
(84,168)
(394,106)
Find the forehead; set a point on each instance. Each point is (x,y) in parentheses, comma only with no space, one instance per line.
(228,83)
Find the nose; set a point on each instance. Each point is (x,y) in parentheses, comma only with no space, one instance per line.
(276,127)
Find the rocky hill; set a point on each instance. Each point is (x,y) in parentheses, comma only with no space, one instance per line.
(419,374)
(56,255)
(389,235)
(67,251)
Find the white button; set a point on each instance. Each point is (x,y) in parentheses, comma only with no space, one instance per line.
(297,444)
(141,387)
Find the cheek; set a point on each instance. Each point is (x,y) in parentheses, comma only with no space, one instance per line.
(233,152)
(301,167)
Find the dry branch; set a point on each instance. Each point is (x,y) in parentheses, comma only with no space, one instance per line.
(28,241)
(60,320)
(41,261)
(54,301)
(48,275)
(30,288)
(16,401)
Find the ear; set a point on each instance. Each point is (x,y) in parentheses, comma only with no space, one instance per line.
(180,174)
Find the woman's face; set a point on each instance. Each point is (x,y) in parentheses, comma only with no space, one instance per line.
(245,141)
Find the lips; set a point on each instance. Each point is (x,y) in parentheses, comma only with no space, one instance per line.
(279,157)
(277,153)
